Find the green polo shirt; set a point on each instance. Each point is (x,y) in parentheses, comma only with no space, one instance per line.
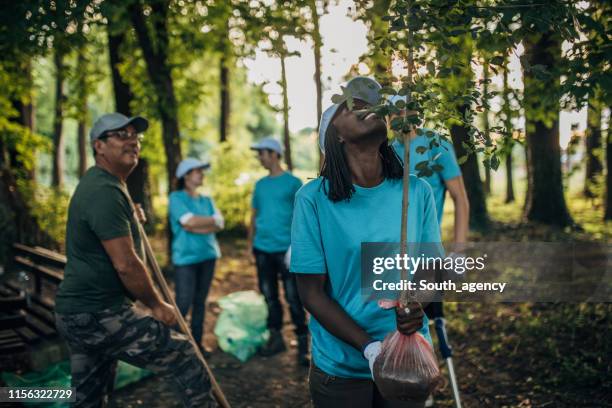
(99,210)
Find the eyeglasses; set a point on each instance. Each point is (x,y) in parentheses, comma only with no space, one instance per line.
(124,135)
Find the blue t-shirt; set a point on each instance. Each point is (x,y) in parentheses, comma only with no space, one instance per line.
(189,248)
(273,201)
(326,237)
(443,155)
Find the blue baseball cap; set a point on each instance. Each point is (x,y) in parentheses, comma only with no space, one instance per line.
(268,143)
(189,164)
(364,88)
(116,121)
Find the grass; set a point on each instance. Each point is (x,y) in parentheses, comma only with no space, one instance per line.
(586,212)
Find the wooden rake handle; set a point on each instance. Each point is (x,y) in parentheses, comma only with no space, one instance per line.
(163,285)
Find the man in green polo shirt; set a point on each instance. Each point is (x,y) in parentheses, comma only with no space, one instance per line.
(105,271)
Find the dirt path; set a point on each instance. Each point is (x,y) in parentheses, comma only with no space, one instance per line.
(512,355)
(260,382)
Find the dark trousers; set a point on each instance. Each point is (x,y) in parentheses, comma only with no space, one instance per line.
(192,286)
(98,340)
(271,267)
(328,391)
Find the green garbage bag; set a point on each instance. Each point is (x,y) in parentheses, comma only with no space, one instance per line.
(58,376)
(128,374)
(241,326)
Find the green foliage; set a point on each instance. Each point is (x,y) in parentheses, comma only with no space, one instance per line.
(49,206)
(232,183)
(8,228)
(442,37)
(306,142)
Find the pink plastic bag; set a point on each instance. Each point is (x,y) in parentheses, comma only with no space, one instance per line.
(406,368)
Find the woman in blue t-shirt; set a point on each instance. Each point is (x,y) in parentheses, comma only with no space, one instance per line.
(357,199)
(194,219)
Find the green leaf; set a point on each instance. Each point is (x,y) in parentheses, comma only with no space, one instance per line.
(396,123)
(461,160)
(431,68)
(421,165)
(444,73)
(494,162)
(497,60)
(337,99)
(426,172)
(413,119)
(455,33)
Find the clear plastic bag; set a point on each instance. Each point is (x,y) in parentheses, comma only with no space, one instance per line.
(406,368)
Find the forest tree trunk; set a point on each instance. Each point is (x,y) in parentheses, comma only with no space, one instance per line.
(57,178)
(593,145)
(224,99)
(545,202)
(316,39)
(286,135)
(608,209)
(479,217)
(155,46)
(138,182)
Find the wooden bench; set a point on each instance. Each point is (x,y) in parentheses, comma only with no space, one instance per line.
(26,316)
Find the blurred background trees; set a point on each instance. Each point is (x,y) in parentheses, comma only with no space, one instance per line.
(182,64)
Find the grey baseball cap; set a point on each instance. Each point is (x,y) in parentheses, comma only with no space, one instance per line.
(363,88)
(115,121)
(269,143)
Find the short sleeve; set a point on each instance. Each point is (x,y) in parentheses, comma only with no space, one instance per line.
(307,254)
(297,184)
(254,200)
(176,208)
(110,217)
(431,227)
(445,156)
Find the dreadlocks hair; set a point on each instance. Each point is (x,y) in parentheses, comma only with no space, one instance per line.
(336,171)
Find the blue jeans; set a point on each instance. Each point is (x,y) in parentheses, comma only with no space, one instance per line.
(271,267)
(192,286)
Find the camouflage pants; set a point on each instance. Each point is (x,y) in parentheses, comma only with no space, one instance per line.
(98,340)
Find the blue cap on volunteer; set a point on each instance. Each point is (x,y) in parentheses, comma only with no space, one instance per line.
(189,164)
(268,143)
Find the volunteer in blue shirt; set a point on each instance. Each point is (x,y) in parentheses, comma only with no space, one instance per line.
(194,219)
(440,153)
(269,238)
(448,178)
(357,199)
